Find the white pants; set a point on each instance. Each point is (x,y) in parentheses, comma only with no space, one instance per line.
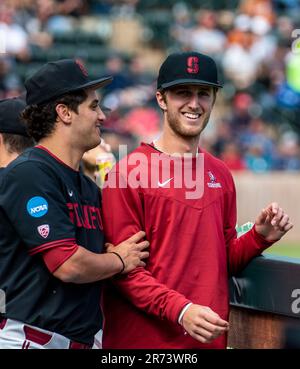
(17,335)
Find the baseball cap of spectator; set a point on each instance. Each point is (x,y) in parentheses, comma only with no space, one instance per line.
(187,68)
(10,120)
(58,78)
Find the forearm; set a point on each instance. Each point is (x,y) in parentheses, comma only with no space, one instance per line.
(147,294)
(241,250)
(87,267)
(140,287)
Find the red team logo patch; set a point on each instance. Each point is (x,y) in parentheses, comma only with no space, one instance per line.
(193,64)
(44,230)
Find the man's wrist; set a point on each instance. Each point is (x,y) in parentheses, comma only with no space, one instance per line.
(260,238)
(119,256)
(183,311)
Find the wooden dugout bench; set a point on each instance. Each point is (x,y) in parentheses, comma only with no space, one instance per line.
(265,304)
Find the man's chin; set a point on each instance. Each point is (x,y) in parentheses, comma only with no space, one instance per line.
(190,133)
(94,144)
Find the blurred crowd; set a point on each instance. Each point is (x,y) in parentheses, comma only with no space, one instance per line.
(256,44)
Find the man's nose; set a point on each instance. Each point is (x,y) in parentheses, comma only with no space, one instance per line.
(101,115)
(194,102)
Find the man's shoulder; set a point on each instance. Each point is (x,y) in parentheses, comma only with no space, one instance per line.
(24,161)
(29,166)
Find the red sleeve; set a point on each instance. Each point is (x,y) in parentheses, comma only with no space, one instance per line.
(56,256)
(123,216)
(240,250)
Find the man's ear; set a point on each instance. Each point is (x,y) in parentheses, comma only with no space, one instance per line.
(64,113)
(161,100)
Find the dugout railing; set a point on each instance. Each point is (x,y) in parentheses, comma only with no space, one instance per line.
(265,304)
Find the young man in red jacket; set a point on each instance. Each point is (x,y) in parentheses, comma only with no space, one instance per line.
(185,200)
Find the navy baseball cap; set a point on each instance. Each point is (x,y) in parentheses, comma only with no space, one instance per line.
(188,68)
(58,78)
(10,116)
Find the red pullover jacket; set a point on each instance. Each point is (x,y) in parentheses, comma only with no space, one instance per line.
(193,247)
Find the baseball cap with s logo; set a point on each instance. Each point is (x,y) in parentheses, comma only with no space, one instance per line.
(188,68)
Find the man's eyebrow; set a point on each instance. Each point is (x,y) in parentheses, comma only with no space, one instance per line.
(95,102)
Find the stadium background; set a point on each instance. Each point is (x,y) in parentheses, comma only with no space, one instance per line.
(255,127)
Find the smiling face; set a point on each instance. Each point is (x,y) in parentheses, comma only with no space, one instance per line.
(87,122)
(187,108)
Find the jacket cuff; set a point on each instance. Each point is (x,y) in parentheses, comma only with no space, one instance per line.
(260,239)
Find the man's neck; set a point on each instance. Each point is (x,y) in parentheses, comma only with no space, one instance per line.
(173,144)
(69,155)
(6,158)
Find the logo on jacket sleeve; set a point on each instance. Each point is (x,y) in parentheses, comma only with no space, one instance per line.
(37,207)
(213,181)
(44,230)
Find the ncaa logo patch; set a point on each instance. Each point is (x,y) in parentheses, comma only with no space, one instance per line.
(37,207)
(44,230)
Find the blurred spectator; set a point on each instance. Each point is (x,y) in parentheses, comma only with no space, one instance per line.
(260,150)
(138,73)
(206,37)
(261,8)
(232,157)
(222,137)
(181,27)
(255,159)
(239,65)
(37,26)
(143,122)
(10,84)
(115,66)
(244,52)
(241,116)
(13,36)
(289,152)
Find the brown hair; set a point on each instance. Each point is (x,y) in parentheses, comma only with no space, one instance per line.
(41,119)
(16,143)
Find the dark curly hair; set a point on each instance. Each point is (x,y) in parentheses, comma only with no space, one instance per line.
(41,119)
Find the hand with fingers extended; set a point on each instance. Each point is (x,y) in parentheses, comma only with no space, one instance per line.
(272,222)
(131,251)
(203,324)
